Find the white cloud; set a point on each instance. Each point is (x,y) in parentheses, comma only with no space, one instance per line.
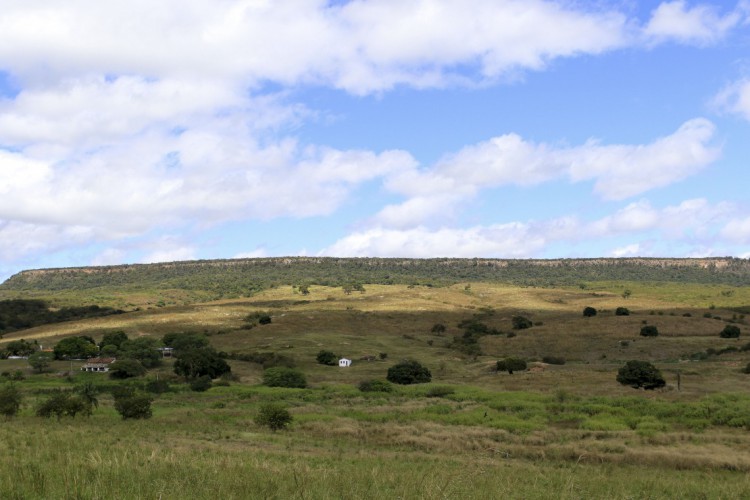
(632,250)
(737,230)
(21,241)
(701,24)
(258,252)
(109,256)
(734,98)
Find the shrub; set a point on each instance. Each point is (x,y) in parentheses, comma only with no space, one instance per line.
(40,361)
(408,372)
(622,311)
(649,331)
(131,404)
(511,365)
(126,368)
(521,323)
(746,369)
(201,384)
(326,358)
(553,360)
(10,400)
(588,312)
(280,376)
(375,386)
(638,374)
(439,391)
(157,386)
(730,332)
(63,403)
(274,416)
(438,328)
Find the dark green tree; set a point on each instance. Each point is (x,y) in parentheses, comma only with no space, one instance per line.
(638,374)
(133,405)
(622,311)
(201,384)
(273,415)
(649,331)
(185,341)
(10,400)
(589,312)
(80,347)
(21,348)
(408,372)
(115,338)
(63,404)
(195,363)
(126,368)
(280,376)
(89,393)
(438,328)
(730,332)
(511,365)
(144,349)
(326,358)
(521,323)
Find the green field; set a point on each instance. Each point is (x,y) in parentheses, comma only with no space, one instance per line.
(562,431)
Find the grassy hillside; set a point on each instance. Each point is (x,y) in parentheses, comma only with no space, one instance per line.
(472,431)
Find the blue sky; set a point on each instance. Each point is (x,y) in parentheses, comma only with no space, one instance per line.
(194,129)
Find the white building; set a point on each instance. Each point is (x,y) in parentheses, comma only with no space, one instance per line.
(345,363)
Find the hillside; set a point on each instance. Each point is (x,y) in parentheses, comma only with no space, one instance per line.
(243,277)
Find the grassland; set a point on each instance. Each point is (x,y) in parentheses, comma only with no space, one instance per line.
(566,431)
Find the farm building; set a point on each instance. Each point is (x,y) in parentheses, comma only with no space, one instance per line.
(97,364)
(345,363)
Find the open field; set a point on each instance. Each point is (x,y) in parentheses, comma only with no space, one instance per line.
(569,430)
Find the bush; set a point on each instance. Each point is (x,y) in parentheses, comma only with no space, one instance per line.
(280,376)
(408,372)
(157,386)
(622,311)
(511,365)
(274,416)
(553,360)
(10,400)
(438,328)
(638,374)
(201,384)
(375,386)
(746,369)
(521,323)
(126,368)
(63,404)
(730,332)
(326,358)
(40,361)
(649,331)
(588,312)
(131,404)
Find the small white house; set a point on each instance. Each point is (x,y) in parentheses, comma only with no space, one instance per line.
(97,364)
(345,363)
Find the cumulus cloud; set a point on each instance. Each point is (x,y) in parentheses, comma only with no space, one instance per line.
(734,98)
(701,24)
(737,230)
(618,171)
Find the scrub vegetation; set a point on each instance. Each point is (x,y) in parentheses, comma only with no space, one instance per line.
(592,408)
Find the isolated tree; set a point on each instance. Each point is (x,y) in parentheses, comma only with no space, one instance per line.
(408,372)
(273,415)
(89,393)
(326,358)
(133,405)
(730,332)
(626,294)
(40,361)
(280,376)
(438,328)
(589,312)
(511,365)
(622,311)
(63,404)
(639,374)
(10,400)
(304,289)
(521,323)
(649,331)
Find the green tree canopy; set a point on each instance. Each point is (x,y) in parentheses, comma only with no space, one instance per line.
(80,347)
(408,372)
(638,374)
(195,363)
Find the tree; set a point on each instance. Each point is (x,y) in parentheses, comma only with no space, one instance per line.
(63,403)
(521,323)
(185,341)
(144,349)
(438,328)
(622,311)
(196,363)
(89,393)
(80,347)
(279,376)
(113,338)
(21,348)
(10,400)
(626,294)
(511,365)
(126,368)
(730,332)
(326,358)
(40,361)
(408,372)
(274,416)
(649,331)
(131,404)
(589,312)
(201,384)
(304,289)
(638,374)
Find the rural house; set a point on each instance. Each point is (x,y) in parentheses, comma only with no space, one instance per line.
(345,363)
(97,364)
